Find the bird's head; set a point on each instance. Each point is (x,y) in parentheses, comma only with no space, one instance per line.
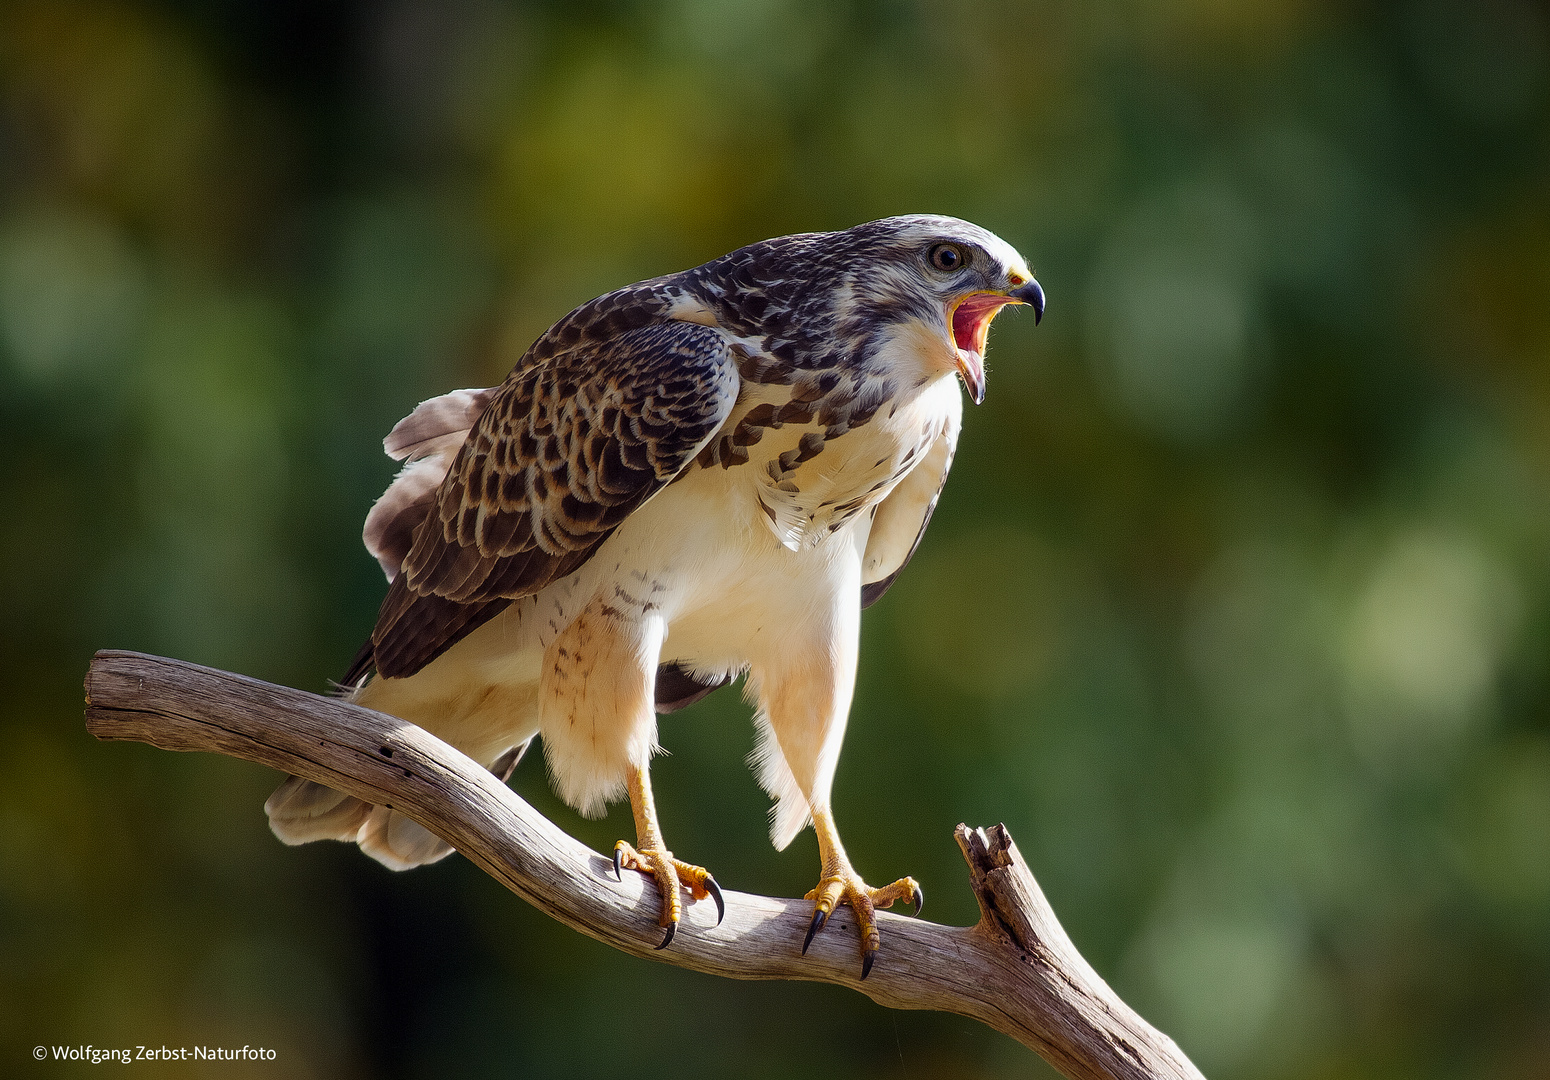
(950,275)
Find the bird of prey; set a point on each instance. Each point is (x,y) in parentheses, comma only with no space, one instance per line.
(689,478)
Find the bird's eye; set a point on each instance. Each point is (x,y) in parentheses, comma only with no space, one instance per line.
(947,257)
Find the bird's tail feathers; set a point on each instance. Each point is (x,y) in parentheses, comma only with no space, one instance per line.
(301,811)
(399,842)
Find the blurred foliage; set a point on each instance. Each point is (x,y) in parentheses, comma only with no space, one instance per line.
(1237,609)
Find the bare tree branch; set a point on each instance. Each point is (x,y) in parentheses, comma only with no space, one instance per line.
(1015,970)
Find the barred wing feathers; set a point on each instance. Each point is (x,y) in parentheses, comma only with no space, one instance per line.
(566,449)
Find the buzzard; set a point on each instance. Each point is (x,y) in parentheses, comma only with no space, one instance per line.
(693,477)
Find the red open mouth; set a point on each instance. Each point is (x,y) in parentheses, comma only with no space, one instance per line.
(971,320)
(971,326)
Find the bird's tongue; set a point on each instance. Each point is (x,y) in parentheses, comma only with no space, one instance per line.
(971,326)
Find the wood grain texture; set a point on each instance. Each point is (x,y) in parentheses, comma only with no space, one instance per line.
(1015,970)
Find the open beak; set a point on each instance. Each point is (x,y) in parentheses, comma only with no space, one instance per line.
(971,326)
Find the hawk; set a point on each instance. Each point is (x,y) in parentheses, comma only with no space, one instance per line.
(690,478)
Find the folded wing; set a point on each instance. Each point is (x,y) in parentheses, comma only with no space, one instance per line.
(563,452)
(902,518)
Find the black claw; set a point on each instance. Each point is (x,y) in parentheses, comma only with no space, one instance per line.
(715,894)
(618,863)
(920,900)
(667,938)
(866,964)
(819,918)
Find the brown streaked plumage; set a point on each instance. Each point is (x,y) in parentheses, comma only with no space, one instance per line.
(563,452)
(696,476)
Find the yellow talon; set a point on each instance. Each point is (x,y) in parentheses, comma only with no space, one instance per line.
(847,887)
(654,859)
(840,884)
(670,875)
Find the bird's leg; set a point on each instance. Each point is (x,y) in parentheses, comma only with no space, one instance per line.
(840,884)
(805,687)
(651,857)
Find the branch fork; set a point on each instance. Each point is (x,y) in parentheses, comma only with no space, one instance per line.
(1015,970)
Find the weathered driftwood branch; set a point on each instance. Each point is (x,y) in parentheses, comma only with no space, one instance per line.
(1015,970)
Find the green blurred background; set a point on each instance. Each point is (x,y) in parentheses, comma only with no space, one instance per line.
(1236,610)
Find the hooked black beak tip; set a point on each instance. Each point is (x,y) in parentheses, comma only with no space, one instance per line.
(1031,294)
